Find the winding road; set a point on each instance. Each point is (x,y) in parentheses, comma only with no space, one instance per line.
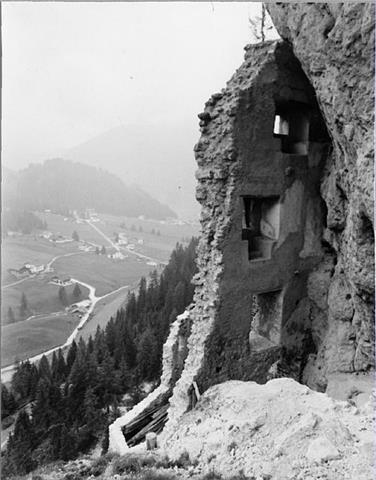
(7,372)
(48,265)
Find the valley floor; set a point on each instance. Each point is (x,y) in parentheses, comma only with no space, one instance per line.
(46,325)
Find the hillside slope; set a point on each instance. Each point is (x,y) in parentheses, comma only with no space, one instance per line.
(140,154)
(280,430)
(59,184)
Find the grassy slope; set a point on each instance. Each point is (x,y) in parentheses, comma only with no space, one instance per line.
(24,339)
(56,224)
(29,249)
(42,297)
(103,312)
(155,246)
(104,274)
(32,337)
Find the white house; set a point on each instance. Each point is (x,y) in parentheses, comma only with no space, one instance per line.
(117,256)
(34,268)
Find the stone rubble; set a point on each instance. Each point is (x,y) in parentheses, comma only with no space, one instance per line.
(281,430)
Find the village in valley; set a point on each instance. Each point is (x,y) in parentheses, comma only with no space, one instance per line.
(56,280)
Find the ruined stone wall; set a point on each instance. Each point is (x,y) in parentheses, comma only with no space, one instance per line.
(307,311)
(174,354)
(237,155)
(335,45)
(328,309)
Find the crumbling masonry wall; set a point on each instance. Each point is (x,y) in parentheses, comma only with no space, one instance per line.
(238,156)
(326,308)
(174,354)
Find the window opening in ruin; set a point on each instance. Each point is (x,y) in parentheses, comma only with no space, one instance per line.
(266,314)
(291,125)
(261,217)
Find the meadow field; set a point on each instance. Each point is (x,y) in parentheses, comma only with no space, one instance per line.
(57,224)
(154,245)
(41,296)
(16,251)
(101,272)
(103,311)
(25,339)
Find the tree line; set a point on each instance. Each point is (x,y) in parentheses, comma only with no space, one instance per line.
(22,221)
(65,405)
(24,309)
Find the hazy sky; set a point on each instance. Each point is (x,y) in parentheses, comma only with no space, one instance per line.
(74,70)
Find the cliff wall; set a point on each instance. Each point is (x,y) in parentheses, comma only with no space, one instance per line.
(285,285)
(335,45)
(327,308)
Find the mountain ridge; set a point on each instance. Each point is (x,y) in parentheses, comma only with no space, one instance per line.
(140,154)
(63,184)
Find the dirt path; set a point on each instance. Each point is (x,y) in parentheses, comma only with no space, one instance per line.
(141,255)
(118,249)
(49,264)
(16,283)
(108,239)
(7,372)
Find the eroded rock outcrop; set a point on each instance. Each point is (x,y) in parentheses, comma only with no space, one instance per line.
(335,45)
(327,312)
(286,257)
(280,430)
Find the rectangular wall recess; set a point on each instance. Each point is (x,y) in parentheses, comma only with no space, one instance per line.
(261,219)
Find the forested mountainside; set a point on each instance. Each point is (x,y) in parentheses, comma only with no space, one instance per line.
(150,164)
(59,185)
(21,221)
(74,396)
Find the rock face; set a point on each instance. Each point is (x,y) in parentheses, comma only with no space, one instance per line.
(304,307)
(286,255)
(279,430)
(335,45)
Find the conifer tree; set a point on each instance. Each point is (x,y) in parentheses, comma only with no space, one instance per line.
(125,376)
(20,446)
(63,296)
(61,368)
(23,306)
(90,345)
(11,317)
(42,409)
(8,402)
(24,381)
(54,366)
(107,382)
(68,444)
(72,352)
(77,291)
(44,369)
(92,412)
(147,364)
